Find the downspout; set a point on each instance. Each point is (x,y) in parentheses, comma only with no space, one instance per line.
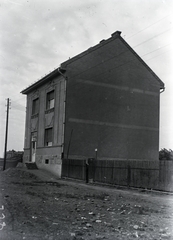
(65,85)
(162,90)
(68,150)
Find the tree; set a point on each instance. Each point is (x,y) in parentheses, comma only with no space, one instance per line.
(165,154)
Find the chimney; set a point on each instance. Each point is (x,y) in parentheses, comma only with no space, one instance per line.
(116,34)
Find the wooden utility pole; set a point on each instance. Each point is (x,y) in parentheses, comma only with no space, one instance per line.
(6,135)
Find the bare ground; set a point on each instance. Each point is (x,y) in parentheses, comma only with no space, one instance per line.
(33,207)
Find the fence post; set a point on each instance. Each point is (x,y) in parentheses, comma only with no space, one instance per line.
(128,175)
(91,169)
(86,170)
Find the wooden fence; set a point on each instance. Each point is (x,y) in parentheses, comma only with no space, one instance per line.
(156,175)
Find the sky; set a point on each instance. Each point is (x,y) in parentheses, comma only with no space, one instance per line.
(36,36)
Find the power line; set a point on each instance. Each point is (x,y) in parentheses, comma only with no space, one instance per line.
(152,38)
(157,56)
(20,108)
(16,102)
(117,66)
(118,55)
(114,67)
(157,49)
(149,26)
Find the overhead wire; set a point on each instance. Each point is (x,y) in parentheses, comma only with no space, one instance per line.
(17,106)
(118,65)
(133,46)
(152,38)
(20,107)
(157,55)
(157,49)
(118,55)
(149,26)
(19,99)
(139,43)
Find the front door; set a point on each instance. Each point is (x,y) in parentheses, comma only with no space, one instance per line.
(33,147)
(33,151)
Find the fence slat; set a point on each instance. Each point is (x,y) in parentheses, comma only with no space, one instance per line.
(143,174)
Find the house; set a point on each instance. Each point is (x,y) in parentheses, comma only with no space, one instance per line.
(12,154)
(12,159)
(101,103)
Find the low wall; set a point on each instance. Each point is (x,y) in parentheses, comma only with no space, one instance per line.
(156,175)
(9,163)
(47,159)
(52,166)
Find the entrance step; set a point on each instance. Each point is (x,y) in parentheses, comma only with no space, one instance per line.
(31,165)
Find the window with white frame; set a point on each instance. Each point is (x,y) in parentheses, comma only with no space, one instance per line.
(48,137)
(50,101)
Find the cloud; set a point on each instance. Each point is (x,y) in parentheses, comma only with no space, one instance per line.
(36,36)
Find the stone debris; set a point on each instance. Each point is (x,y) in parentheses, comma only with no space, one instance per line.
(108,224)
(88,225)
(100,236)
(98,221)
(79,233)
(163,230)
(91,213)
(88,215)
(123,212)
(135,235)
(138,209)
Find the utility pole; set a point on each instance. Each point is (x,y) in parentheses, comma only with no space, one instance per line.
(6,135)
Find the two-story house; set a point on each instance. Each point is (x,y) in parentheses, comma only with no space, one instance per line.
(105,99)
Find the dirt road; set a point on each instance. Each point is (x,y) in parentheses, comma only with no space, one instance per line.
(35,208)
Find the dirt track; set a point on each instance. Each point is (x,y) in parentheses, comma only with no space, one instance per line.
(32,208)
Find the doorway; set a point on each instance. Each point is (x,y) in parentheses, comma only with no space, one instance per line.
(33,148)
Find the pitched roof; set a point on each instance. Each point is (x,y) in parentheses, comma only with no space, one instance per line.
(56,72)
(59,71)
(112,38)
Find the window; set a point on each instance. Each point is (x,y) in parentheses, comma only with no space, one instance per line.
(50,100)
(48,136)
(46,161)
(35,106)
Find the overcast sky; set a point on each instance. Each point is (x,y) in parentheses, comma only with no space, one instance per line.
(36,36)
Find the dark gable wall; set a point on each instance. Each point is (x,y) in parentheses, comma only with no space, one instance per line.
(112,104)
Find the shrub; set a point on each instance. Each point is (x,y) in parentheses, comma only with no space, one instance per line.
(165,154)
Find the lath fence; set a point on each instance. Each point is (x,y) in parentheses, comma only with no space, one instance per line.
(156,175)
